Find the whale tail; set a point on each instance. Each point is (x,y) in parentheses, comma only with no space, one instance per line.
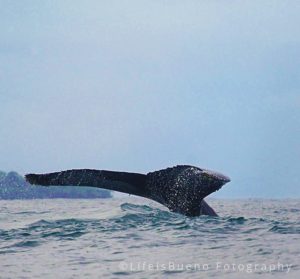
(180,188)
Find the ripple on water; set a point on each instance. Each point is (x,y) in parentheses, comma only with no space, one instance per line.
(140,230)
(145,218)
(285,229)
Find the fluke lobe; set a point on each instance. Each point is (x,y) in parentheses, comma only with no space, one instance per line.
(182,188)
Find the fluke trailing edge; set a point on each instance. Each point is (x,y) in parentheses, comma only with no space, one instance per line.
(181,188)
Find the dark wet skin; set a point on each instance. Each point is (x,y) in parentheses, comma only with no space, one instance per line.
(182,188)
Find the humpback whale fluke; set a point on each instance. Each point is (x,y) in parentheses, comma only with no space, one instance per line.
(181,188)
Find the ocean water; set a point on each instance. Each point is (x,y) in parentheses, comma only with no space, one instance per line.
(137,238)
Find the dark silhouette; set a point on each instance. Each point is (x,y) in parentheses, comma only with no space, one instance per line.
(181,188)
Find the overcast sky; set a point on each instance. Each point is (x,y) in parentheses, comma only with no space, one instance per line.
(143,85)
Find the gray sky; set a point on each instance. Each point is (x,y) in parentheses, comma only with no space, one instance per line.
(143,85)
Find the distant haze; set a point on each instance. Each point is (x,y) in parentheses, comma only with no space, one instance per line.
(143,85)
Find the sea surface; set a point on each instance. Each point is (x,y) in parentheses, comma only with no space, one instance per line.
(137,238)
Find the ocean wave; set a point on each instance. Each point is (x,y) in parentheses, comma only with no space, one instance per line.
(134,218)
